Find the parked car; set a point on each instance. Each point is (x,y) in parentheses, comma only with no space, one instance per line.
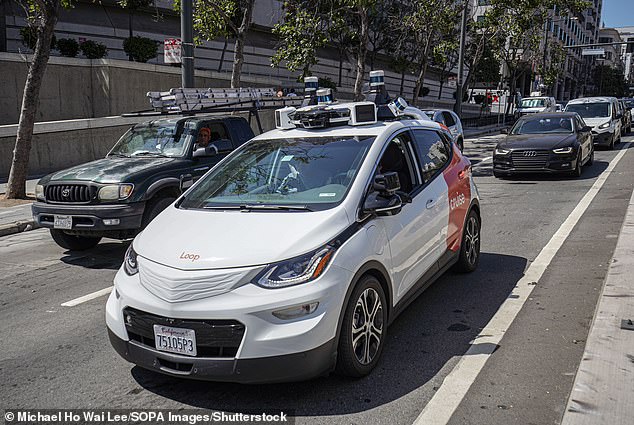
(289,259)
(626,121)
(559,142)
(117,196)
(602,114)
(450,120)
(534,105)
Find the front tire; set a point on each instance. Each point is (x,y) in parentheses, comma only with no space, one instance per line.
(154,208)
(578,170)
(470,245)
(591,159)
(363,329)
(72,242)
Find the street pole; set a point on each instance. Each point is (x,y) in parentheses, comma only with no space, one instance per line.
(546,33)
(463,35)
(187,44)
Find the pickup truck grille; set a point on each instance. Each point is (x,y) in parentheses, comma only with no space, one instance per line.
(71,193)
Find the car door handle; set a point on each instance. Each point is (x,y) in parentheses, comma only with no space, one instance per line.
(201,169)
(431,203)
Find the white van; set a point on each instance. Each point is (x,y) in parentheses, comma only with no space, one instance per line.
(534,105)
(603,114)
(291,256)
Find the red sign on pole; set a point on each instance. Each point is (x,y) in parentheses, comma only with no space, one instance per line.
(172,50)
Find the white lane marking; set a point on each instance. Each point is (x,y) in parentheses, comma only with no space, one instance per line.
(77,301)
(479,163)
(456,384)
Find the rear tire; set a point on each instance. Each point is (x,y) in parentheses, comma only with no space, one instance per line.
(470,245)
(72,242)
(591,159)
(461,145)
(154,207)
(363,329)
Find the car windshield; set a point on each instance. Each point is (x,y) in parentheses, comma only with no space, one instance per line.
(430,114)
(590,110)
(312,173)
(543,125)
(166,139)
(533,103)
(629,103)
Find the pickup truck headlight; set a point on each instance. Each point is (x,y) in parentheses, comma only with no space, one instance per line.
(568,149)
(501,151)
(301,269)
(114,192)
(604,125)
(39,192)
(130,264)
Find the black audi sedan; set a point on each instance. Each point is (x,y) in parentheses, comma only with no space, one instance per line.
(558,142)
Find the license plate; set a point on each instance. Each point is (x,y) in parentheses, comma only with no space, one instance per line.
(63,222)
(175,340)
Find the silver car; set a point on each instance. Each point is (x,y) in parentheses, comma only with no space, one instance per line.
(450,120)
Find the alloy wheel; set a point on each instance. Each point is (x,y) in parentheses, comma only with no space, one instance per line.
(472,240)
(367,326)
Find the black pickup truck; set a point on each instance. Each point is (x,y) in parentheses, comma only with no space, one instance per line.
(117,196)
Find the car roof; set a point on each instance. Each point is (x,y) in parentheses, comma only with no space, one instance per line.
(375,130)
(598,99)
(551,115)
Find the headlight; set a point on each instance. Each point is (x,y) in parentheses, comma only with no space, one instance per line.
(568,149)
(501,151)
(114,192)
(130,264)
(297,270)
(39,192)
(604,125)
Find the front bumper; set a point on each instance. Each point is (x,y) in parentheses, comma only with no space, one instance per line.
(268,349)
(90,218)
(603,138)
(564,164)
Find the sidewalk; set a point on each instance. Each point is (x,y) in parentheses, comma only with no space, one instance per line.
(603,392)
(16,218)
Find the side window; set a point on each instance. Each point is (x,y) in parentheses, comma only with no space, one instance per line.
(219,136)
(439,118)
(449,121)
(433,152)
(396,159)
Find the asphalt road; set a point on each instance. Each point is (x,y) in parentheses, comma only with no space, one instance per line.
(59,357)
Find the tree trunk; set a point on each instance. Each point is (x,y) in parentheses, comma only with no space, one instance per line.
(130,19)
(222,55)
(16,187)
(238,52)
(340,67)
(420,80)
(402,82)
(361,54)
(442,83)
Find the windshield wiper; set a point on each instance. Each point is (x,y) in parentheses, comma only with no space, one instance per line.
(120,155)
(261,207)
(148,153)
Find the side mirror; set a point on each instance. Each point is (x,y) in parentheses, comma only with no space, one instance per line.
(619,116)
(186,181)
(201,152)
(504,131)
(382,205)
(586,128)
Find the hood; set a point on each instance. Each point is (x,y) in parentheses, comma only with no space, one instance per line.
(536,141)
(214,239)
(594,122)
(110,170)
(531,110)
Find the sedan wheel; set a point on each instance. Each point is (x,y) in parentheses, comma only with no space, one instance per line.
(363,329)
(470,246)
(578,170)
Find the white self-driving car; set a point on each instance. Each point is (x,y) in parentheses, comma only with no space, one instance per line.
(290,258)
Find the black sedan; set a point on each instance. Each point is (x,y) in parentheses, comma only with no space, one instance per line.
(545,143)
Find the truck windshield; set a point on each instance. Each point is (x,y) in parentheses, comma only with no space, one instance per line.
(168,140)
(533,103)
(590,110)
(312,173)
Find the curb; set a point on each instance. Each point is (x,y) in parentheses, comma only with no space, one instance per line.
(17,227)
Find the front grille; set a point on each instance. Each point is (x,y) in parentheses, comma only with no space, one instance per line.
(71,193)
(214,338)
(530,158)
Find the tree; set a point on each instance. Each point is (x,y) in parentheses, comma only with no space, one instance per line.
(228,18)
(42,15)
(423,24)
(132,6)
(487,68)
(609,81)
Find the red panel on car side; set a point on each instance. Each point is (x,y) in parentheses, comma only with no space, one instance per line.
(458,178)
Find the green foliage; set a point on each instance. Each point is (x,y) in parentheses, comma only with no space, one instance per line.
(141,49)
(487,69)
(424,91)
(135,4)
(93,50)
(213,19)
(29,37)
(68,47)
(609,81)
(327,83)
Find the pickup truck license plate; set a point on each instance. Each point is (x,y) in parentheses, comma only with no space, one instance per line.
(175,340)
(63,222)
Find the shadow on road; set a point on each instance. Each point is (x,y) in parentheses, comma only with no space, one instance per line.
(589,172)
(106,255)
(432,331)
